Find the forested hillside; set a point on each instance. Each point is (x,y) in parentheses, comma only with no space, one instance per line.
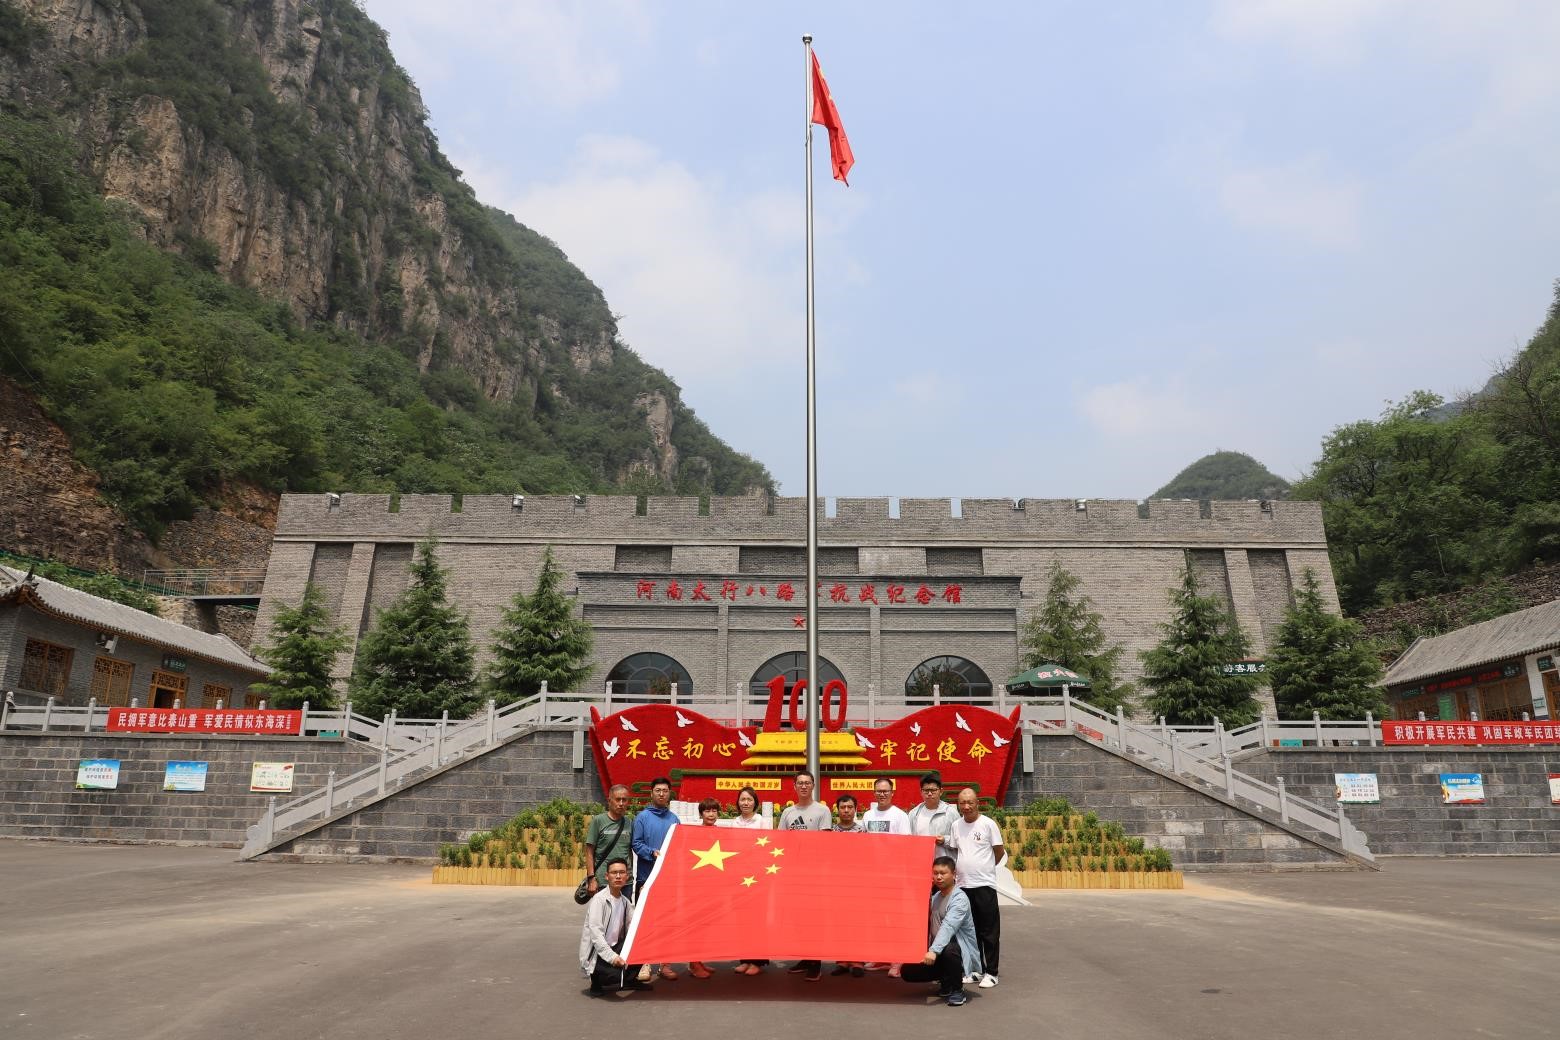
(1225,475)
(232,252)
(1418,503)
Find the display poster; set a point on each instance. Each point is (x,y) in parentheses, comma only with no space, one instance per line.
(1554,788)
(184,776)
(1462,788)
(97,774)
(1357,788)
(271,776)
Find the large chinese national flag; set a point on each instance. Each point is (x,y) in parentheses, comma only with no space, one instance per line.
(723,894)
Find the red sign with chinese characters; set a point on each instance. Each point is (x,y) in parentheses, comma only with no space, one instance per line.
(205,720)
(675,591)
(1433,732)
(968,746)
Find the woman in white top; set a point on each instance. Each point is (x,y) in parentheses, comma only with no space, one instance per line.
(748,819)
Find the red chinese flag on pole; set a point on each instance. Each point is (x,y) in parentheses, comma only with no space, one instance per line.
(825,114)
(718,893)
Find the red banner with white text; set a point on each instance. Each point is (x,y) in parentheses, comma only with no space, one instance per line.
(1433,732)
(280,722)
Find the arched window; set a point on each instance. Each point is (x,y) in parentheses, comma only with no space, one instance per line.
(649,673)
(956,678)
(793,667)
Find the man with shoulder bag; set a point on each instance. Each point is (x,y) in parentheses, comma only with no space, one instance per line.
(610,837)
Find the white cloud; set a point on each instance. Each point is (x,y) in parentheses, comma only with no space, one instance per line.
(1297,199)
(1142,408)
(552,52)
(706,279)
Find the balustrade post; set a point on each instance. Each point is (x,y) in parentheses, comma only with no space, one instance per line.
(91,710)
(330,792)
(492,719)
(303,719)
(1421,716)
(1229,778)
(384,732)
(270,819)
(1283,799)
(1473,717)
(1316,721)
(1218,732)
(1121,727)
(1164,730)
(219,704)
(1067,718)
(936,694)
(1175,753)
(1370,728)
(438,738)
(544,700)
(1267,740)
(606,707)
(48,713)
(674,695)
(384,766)
(390,726)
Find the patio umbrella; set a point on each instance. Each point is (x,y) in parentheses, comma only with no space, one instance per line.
(1044,678)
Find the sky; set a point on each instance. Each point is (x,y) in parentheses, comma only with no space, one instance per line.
(1083,244)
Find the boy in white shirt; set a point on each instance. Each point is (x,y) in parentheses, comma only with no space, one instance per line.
(885,817)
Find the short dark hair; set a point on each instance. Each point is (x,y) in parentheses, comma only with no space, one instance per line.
(945,861)
(802,772)
(615,861)
(709,803)
(658,781)
(842,799)
(932,780)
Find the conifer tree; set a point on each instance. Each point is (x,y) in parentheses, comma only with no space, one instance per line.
(539,640)
(303,646)
(1186,670)
(418,658)
(1322,662)
(1068,631)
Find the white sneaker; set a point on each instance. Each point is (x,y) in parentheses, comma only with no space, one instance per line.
(988,982)
(969,980)
(644,973)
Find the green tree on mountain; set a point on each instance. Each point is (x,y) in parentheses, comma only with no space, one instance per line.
(302,649)
(1068,631)
(539,640)
(1321,662)
(418,657)
(1225,475)
(1186,670)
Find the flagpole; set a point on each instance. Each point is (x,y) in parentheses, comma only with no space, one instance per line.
(812,454)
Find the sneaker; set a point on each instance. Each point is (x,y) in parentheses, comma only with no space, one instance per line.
(958,998)
(667,973)
(857,971)
(969,980)
(944,994)
(988,982)
(815,973)
(644,974)
(894,972)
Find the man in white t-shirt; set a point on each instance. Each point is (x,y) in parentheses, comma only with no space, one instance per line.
(885,817)
(977,843)
(806,815)
(933,818)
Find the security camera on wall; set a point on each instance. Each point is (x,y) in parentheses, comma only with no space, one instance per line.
(107,642)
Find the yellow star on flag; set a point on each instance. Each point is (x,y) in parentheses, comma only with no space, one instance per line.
(761,842)
(749,882)
(714,856)
(773,868)
(777,853)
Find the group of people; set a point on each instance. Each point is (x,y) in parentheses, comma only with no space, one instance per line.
(964,926)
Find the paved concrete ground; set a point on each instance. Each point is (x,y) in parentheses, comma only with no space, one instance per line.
(149,942)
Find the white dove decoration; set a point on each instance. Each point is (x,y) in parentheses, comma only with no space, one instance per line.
(862,741)
(683,720)
(743,737)
(996,741)
(629,726)
(610,747)
(958,720)
(915,727)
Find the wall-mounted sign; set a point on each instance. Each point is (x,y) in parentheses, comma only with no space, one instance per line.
(888,594)
(970,746)
(1554,788)
(1245,667)
(278,722)
(1546,664)
(184,776)
(1494,674)
(97,774)
(1398,731)
(1357,788)
(1462,788)
(174,663)
(271,776)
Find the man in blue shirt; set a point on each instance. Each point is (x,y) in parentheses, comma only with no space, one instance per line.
(951,948)
(650,828)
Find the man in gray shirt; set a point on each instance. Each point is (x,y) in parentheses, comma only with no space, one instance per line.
(806,815)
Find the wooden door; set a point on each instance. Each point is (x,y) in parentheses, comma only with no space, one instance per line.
(167,687)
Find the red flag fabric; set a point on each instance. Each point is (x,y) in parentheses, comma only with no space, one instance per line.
(718,893)
(825,114)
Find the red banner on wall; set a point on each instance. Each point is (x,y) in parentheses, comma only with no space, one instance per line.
(205,720)
(1432,732)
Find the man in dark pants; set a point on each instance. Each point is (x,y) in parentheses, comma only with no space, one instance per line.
(950,931)
(607,917)
(977,842)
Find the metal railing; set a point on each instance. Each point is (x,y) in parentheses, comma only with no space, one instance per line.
(204,581)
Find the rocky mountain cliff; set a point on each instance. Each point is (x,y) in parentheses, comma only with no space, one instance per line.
(278,144)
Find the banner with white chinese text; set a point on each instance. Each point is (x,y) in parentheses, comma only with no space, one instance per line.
(1431,732)
(250,721)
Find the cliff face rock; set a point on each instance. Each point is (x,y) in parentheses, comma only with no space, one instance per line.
(312,228)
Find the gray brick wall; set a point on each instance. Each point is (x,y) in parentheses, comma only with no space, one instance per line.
(1201,833)
(38,796)
(1516,819)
